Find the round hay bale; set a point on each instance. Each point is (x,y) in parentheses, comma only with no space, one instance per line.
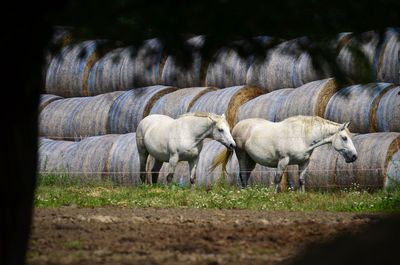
(353,64)
(265,106)
(181,174)
(226,101)
(68,72)
(305,72)
(388,112)
(227,69)
(91,157)
(74,118)
(321,171)
(46,99)
(376,165)
(310,99)
(132,106)
(194,75)
(143,66)
(178,102)
(56,120)
(105,75)
(123,160)
(357,104)
(52,156)
(342,39)
(389,66)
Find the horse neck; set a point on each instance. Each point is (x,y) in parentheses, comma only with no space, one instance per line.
(202,127)
(321,134)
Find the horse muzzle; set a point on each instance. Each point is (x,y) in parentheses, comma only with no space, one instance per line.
(351,158)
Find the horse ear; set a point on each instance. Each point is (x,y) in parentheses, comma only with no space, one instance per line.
(344,126)
(223,116)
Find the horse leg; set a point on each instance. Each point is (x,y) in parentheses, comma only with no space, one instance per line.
(302,177)
(143,154)
(155,171)
(246,165)
(282,165)
(192,169)
(173,160)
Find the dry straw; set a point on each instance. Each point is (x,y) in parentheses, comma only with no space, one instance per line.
(193,76)
(357,104)
(179,102)
(388,111)
(226,101)
(68,72)
(132,106)
(265,106)
(310,99)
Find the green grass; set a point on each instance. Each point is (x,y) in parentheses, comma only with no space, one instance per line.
(60,191)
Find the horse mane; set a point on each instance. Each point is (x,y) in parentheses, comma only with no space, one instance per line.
(312,120)
(199,114)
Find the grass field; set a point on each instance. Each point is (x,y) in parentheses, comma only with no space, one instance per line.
(55,191)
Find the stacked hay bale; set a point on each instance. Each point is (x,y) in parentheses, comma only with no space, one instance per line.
(359,58)
(389,70)
(388,111)
(68,72)
(357,104)
(377,165)
(132,106)
(194,75)
(285,66)
(179,102)
(226,101)
(310,99)
(53,156)
(74,118)
(265,106)
(46,99)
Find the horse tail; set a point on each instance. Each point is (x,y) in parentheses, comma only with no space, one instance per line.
(222,158)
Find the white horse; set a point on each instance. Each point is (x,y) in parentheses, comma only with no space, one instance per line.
(172,140)
(289,142)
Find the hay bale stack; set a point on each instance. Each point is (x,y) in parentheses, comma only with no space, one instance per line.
(52,156)
(194,75)
(123,160)
(357,104)
(377,163)
(68,72)
(132,106)
(227,100)
(388,112)
(285,66)
(389,70)
(227,69)
(181,175)
(74,118)
(265,106)
(357,67)
(46,99)
(91,157)
(310,99)
(321,171)
(144,65)
(179,102)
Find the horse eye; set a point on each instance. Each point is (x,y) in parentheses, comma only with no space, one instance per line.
(220,130)
(344,138)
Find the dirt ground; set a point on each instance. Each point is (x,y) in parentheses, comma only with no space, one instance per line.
(112,235)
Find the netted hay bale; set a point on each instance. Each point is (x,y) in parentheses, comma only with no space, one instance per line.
(68,72)
(265,106)
(388,112)
(357,104)
(310,99)
(376,165)
(123,160)
(321,171)
(91,157)
(178,102)
(356,65)
(132,106)
(46,99)
(144,65)
(74,118)
(305,72)
(389,66)
(227,69)
(227,100)
(177,75)
(52,156)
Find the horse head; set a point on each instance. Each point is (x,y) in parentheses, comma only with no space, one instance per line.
(342,143)
(221,131)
